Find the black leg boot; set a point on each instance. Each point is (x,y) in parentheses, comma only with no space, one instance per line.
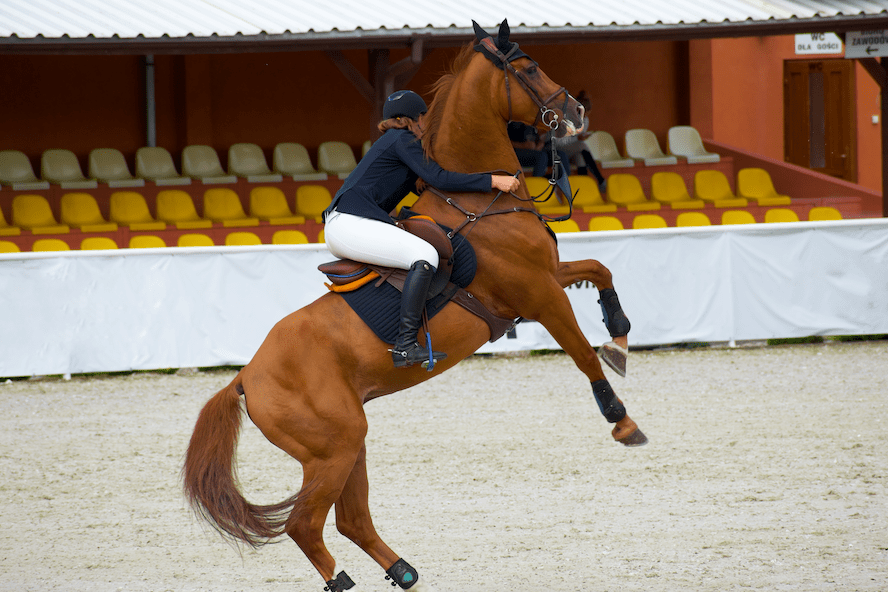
(406,351)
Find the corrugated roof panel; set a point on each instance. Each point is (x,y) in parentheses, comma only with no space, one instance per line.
(104,19)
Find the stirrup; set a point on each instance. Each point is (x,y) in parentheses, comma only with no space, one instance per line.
(416,354)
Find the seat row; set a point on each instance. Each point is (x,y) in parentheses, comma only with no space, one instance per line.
(191,239)
(624,191)
(155,164)
(683,141)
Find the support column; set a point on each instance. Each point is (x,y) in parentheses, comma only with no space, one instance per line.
(878,69)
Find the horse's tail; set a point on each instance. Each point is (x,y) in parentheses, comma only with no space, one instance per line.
(210,476)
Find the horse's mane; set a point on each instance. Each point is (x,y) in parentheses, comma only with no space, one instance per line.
(441,90)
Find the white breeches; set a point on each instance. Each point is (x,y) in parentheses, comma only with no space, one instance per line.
(371,241)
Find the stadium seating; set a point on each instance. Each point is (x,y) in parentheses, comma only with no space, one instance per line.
(692,219)
(6,229)
(820,213)
(246,160)
(737,217)
(50,244)
(781,215)
(33,213)
(202,163)
(242,238)
(712,187)
(270,204)
(175,207)
(223,205)
(365,148)
(604,149)
(291,159)
(643,145)
(8,247)
(16,171)
(648,221)
(195,240)
(129,209)
(336,158)
(62,168)
(156,164)
(289,237)
(80,210)
(669,188)
(407,202)
(625,190)
(546,200)
(685,141)
(312,200)
(108,166)
(587,197)
(605,223)
(755,183)
(97,243)
(146,241)
(564,226)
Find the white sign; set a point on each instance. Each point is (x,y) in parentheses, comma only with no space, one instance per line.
(866,44)
(817,43)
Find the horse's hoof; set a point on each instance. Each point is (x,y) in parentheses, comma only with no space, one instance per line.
(615,357)
(636,438)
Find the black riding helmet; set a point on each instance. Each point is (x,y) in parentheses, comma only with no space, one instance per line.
(404,103)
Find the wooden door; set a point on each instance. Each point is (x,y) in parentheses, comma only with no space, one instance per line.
(819,116)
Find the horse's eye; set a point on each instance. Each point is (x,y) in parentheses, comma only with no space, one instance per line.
(531,71)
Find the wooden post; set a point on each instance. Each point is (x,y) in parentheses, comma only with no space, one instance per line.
(878,69)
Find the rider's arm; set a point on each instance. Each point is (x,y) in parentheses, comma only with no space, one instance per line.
(411,153)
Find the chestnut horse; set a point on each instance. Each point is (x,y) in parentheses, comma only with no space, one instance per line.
(307,384)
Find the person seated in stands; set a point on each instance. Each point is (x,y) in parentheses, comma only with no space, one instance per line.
(533,151)
(575,146)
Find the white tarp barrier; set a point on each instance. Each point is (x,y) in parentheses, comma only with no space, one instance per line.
(139,309)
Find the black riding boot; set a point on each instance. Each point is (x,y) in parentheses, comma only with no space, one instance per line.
(406,351)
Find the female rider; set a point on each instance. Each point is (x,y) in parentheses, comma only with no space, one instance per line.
(359,227)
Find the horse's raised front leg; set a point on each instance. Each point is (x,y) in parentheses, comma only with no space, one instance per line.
(615,352)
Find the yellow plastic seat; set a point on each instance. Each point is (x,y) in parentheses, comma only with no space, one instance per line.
(737,217)
(685,141)
(781,215)
(312,200)
(755,183)
(270,204)
(33,213)
(336,158)
(587,197)
(195,239)
(539,188)
(820,213)
(289,237)
(712,187)
(97,243)
(156,164)
(642,144)
(605,223)
(130,209)
(242,238)
(50,244)
(247,160)
(321,236)
(146,241)
(604,149)
(564,226)
(224,206)
(109,166)
(6,229)
(80,210)
(409,200)
(669,188)
(176,207)
(625,190)
(692,219)
(648,221)
(8,247)
(292,159)
(17,172)
(202,163)
(62,168)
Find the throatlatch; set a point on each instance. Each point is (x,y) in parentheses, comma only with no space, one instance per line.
(402,574)
(611,407)
(340,583)
(614,318)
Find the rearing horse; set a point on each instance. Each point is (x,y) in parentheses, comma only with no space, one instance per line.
(307,384)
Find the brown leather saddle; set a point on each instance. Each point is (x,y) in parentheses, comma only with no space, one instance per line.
(346,275)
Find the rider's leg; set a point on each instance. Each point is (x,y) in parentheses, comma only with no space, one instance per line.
(407,351)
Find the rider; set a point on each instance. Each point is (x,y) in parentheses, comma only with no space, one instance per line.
(359,227)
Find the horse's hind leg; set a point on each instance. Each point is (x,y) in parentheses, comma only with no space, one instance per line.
(354,522)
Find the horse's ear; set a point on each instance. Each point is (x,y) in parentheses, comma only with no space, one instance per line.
(479,32)
(502,40)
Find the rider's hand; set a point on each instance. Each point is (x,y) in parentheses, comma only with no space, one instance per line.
(505,183)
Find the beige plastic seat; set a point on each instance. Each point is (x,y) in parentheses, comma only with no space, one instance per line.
(668,188)
(130,209)
(202,163)
(289,237)
(242,238)
(365,147)
(564,226)
(336,158)
(648,221)
(625,190)
(312,200)
(247,161)
(80,210)
(755,183)
(781,215)
(685,141)
(737,217)
(146,241)
(604,149)
(195,239)
(270,204)
(97,243)
(224,206)
(587,196)
(8,247)
(292,159)
(176,207)
(712,187)
(6,229)
(16,171)
(820,213)
(692,219)
(156,164)
(109,166)
(643,145)
(605,223)
(33,213)
(50,244)
(61,167)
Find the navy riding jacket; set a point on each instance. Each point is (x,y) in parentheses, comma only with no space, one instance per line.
(388,172)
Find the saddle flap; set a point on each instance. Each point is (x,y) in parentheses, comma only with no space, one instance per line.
(344,271)
(429,231)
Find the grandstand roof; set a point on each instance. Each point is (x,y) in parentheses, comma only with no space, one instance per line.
(204,26)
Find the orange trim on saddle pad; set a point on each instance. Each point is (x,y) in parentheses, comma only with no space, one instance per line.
(351,286)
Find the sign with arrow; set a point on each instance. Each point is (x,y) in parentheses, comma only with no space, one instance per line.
(866,44)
